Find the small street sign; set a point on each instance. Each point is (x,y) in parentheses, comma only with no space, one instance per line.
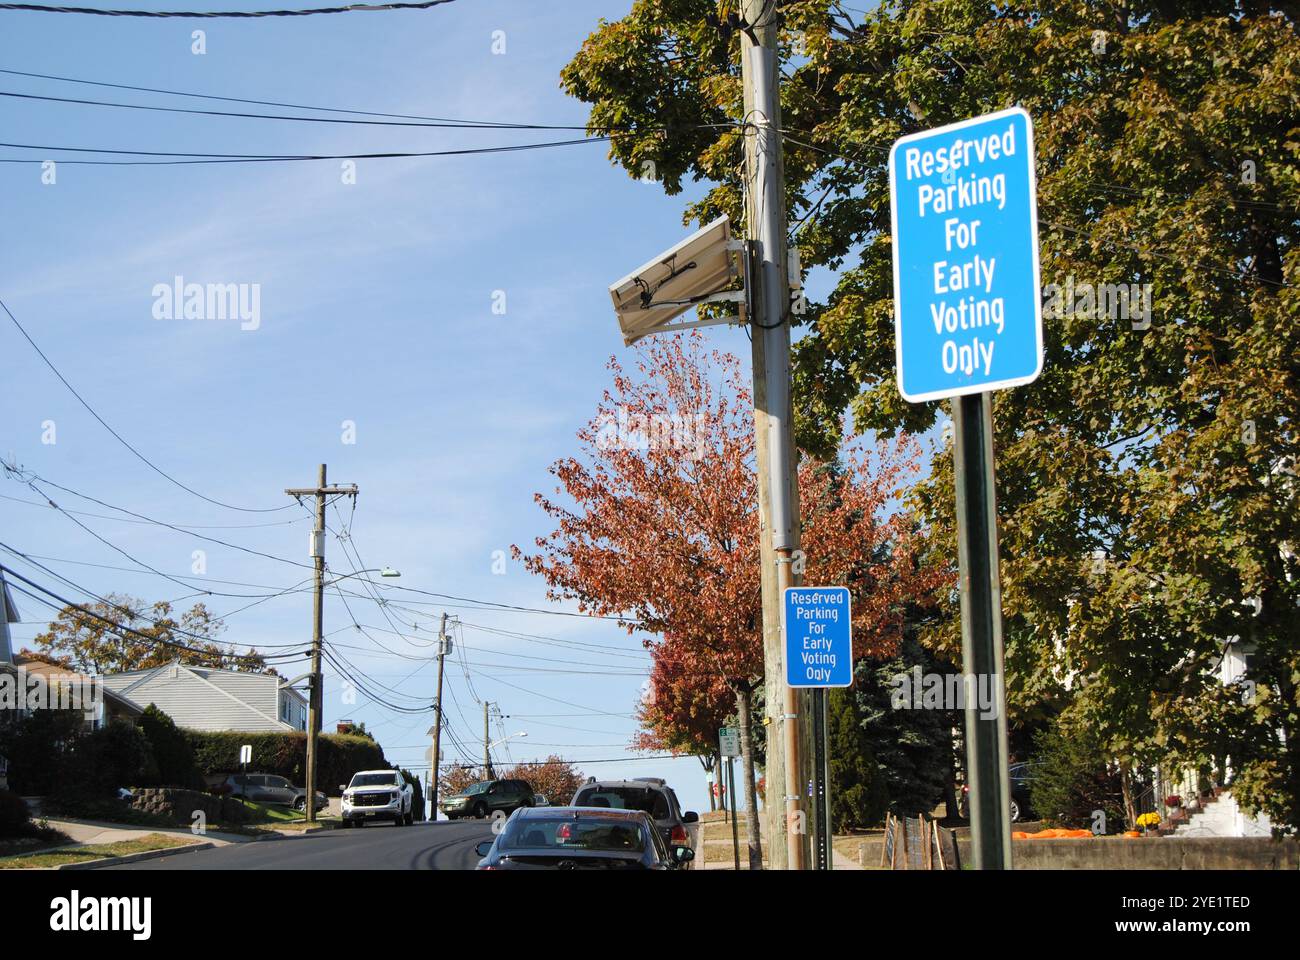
(246,754)
(817,624)
(967,308)
(729,741)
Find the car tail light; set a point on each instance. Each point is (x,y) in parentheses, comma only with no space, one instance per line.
(679,837)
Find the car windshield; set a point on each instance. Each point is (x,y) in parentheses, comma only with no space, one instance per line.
(562,834)
(472,790)
(374,780)
(653,802)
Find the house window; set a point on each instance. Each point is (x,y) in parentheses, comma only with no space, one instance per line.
(285,709)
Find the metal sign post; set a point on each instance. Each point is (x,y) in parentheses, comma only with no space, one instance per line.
(968,320)
(981,632)
(729,749)
(245,758)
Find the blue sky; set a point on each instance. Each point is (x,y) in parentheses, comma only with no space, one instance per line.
(376,308)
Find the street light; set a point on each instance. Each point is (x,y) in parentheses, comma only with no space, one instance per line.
(382,571)
(512,736)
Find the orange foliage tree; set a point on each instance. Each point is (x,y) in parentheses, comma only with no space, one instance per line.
(660,528)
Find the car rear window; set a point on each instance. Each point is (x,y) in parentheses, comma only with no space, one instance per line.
(653,802)
(567,834)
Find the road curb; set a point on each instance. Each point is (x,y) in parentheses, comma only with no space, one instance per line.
(134,857)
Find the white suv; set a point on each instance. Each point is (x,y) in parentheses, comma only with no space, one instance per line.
(377,795)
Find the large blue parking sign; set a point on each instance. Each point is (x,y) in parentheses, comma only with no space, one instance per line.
(967,308)
(818,637)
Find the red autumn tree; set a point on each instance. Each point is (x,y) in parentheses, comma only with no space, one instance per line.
(556,779)
(661,529)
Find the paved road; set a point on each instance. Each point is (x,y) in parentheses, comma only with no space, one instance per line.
(427,846)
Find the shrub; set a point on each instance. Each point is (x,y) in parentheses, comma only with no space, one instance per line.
(216,753)
(115,755)
(1073,778)
(172,751)
(39,748)
(14,816)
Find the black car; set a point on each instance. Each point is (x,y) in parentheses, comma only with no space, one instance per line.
(1019,775)
(580,838)
(650,795)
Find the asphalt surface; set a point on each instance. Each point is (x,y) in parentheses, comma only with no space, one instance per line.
(446,845)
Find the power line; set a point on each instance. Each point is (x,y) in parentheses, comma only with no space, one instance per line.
(105,600)
(28,477)
(227,14)
(120,439)
(182,526)
(486,124)
(24,476)
(245,115)
(118,629)
(200,158)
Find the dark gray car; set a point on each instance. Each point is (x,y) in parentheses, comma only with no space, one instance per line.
(650,795)
(268,788)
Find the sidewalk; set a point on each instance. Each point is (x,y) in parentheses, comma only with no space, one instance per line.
(703,846)
(88,832)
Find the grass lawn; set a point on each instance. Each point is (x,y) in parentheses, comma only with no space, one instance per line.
(269,812)
(152,841)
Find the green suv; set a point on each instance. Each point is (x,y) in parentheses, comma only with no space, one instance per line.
(484,799)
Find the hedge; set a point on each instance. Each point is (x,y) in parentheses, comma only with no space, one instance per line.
(285,754)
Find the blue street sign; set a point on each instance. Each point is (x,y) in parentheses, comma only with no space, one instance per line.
(967,309)
(818,637)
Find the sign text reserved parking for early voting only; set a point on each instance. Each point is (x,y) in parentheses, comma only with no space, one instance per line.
(818,626)
(967,307)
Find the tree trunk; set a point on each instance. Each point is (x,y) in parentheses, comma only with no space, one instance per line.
(747,774)
(1126,788)
(709,767)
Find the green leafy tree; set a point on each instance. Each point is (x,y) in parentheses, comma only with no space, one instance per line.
(1146,481)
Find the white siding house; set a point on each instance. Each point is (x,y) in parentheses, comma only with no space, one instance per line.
(201,698)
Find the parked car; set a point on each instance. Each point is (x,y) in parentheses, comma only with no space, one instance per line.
(1019,775)
(580,838)
(377,795)
(485,798)
(650,795)
(268,788)
(540,800)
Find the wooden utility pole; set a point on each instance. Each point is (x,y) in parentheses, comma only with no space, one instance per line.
(317,552)
(487,755)
(437,719)
(778,498)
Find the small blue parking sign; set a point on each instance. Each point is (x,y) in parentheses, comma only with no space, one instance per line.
(967,307)
(818,631)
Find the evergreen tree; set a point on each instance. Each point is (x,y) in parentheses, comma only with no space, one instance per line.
(859,797)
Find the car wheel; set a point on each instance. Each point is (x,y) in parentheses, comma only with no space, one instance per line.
(480,810)
(1015,811)
(300,803)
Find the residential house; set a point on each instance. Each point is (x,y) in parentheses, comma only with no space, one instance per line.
(204,698)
